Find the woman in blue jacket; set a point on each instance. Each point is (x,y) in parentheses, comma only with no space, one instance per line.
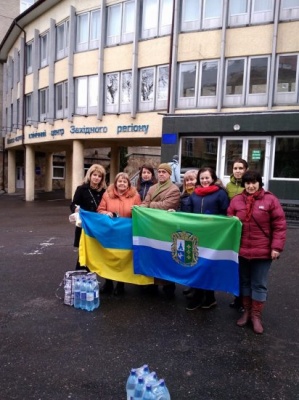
(209,197)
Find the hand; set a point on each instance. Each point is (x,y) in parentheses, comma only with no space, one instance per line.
(171,210)
(275,254)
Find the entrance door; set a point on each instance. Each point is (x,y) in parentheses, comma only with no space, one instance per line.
(20,178)
(255,150)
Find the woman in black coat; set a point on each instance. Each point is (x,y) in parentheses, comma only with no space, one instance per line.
(88,196)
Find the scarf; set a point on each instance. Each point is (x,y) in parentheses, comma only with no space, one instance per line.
(161,187)
(250,200)
(203,191)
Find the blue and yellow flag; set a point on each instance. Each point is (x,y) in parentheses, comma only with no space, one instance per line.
(106,248)
(195,250)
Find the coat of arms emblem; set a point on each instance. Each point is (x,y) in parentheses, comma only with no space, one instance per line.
(184,248)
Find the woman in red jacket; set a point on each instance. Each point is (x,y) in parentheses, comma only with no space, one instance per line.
(262,240)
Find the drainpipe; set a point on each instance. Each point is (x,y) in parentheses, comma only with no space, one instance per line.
(172,58)
(222,56)
(273,54)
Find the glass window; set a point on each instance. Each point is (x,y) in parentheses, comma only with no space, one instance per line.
(163,81)
(212,8)
(187,80)
(262,5)
(235,77)
(209,76)
(86,95)
(62,34)
(238,7)
(126,87)
(147,85)
(287,72)
(286,158)
(82,28)
(150,18)
(58,172)
(165,16)
(112,88)
(44,50)
(290,3)
(93,91)
(95,25)
(43,104)
(114,24)
(29,49)
(199,152)
(258,75)
(61,99)
(81,93)
(120,23)
(28,108)
(190,15)
(128,22)
(118,92)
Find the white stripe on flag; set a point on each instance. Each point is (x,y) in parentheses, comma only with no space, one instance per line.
(209,254)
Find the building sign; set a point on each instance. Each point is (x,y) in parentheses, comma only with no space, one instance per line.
(256,155)
(36,135)
(89,129)
(13,140)
(132,128)
(57,132)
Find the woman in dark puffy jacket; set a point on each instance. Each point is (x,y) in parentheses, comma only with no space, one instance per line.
(146,179)
(209,197)
(88,196)
(262,240)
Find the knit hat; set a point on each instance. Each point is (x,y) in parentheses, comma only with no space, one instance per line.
(165,166)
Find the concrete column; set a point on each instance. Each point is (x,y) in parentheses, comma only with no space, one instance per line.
(11,171)
(29,173)
(49,173)
(77,165)
(114,163)
(68,175)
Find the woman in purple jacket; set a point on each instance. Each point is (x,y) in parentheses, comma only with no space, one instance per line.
(262,240)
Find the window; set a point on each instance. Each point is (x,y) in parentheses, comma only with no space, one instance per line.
(88,30)
(201,14)
(199,152)
(153,88)
(187,85)
(156,18)
(86,97)
(61,100)
(43,104)
(289,9)
(58,172)
(44,50)
(262,11)
(208,84)
(121,22)
(118,92)
(28,108)
(29,49)
(287,79)
(238,12)
(286,158)
(62,39)
(257,91)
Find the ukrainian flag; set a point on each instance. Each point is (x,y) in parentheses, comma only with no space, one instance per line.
(106,248)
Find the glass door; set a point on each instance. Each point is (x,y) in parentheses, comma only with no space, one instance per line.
(20,178)
(255,150)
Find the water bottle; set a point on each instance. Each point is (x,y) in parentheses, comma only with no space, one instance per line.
(89,296)
(83,294)
(160,390)
(77,290)
(139,389)
(148,394)
(96,293)
(144,370)
(150,378)
(131,383)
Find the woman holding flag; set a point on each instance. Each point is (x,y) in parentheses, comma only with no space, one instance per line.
(209,197)
(118,201)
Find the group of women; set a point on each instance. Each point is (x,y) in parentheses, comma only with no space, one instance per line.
(263,224)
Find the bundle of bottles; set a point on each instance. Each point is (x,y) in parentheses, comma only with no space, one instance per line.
(86,293)
(145,385)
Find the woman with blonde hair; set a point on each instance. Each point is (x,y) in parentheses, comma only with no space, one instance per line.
(88,196)
(118,201)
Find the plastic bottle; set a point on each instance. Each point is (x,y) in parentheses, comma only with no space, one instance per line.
(131,383)
(139,389)
(89,296)
(96,292)
(77,290)
(150,378)
(144,370)
(83,294)
(160,390)
(148,394)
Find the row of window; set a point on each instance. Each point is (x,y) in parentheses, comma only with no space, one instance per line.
(156,20)
(246,82)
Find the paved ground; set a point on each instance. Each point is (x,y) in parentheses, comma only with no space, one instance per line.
(50,351)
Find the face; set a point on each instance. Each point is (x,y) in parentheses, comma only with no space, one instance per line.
(95,178)
(122,184)
(251,187)
(163,175)
(238,170)
(205,179)
(190,181)
(146,174)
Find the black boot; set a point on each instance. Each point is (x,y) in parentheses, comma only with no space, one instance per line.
(119,289)
(107,288)
(210,300)
(196,300)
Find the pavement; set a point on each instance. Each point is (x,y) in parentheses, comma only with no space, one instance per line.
(50,351)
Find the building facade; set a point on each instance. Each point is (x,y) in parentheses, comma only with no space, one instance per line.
(210,80)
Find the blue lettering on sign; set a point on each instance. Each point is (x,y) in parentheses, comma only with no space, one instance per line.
(37,135)
(57,132)
(89,129)
(132,128)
